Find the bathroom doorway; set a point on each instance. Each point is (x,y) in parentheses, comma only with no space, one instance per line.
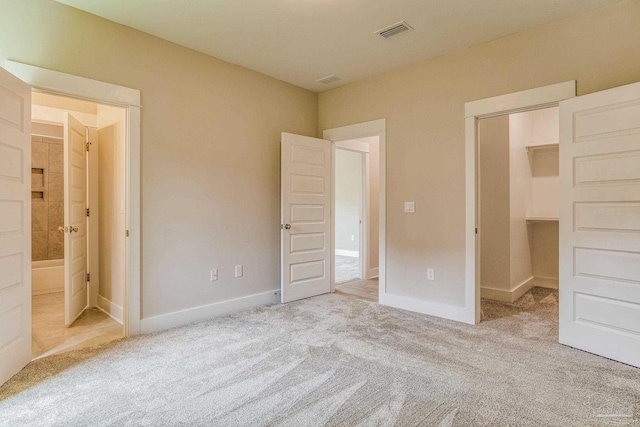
(78,223)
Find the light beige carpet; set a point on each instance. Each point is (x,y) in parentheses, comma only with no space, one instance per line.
(336,361)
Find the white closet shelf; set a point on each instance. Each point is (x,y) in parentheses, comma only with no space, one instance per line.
(546,147)
(542,219)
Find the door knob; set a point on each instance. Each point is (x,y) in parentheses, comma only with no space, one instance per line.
(287,226)
(73,229)
(62,229)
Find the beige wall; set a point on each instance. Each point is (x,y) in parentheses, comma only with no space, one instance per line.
(520,194)
(111,199)
(493,149)
(210,148)
(424,109)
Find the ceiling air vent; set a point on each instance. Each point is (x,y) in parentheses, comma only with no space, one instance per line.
(394,30)
(329,79)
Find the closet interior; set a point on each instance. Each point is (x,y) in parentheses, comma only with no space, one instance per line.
(518,198)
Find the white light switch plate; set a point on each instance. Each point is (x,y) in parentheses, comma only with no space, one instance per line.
(214,274)
(239,271)
(409,207)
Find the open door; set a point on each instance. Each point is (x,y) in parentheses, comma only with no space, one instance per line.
(75,216)
(306,217)
(15,225)
(600,223)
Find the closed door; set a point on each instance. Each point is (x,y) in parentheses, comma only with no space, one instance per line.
(306,217)
(15,225)
(600,223)
(75,217)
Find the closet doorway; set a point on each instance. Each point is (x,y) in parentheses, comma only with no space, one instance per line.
(518,200)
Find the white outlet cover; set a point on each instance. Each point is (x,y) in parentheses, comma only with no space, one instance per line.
(431,274)
(409,207)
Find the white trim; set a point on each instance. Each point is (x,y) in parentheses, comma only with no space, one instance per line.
(113,310)
(106,93)
(507,295)
(345,252)
(353,145)
(190,315)
(523,100)
(70,85)
(363,130)
(505,104)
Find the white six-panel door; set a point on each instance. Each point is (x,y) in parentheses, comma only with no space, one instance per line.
(75,216)
(306,217)
(600,223)
(15,225)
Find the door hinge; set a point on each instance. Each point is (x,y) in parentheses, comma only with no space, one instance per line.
(476,230)
(88,144)
(88,277)
(126,233)
(87,211)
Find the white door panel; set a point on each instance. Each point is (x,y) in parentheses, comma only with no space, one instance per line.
(75,216)
(600,223)
(306,217)
(15,225)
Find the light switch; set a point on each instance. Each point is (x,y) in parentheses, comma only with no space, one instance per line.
(239,271)
(214,274)
(409,207)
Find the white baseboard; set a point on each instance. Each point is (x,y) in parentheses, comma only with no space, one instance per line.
(373,273)
(447,311)
(547,282)
(344,252)
(190,315)
(506,295)
(113,310)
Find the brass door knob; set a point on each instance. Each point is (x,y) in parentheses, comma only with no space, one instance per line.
(287,226)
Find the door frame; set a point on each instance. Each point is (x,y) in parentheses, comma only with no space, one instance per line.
(364,232)
(68,85)
(364,130)
(527,100)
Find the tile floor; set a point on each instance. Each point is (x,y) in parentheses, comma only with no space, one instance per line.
(50,335)
(362,289)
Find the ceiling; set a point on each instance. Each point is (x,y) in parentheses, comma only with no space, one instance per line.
(301,41)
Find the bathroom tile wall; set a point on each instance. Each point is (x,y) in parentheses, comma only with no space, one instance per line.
(47,192)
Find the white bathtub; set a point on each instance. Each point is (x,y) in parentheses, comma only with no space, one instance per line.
(47,276)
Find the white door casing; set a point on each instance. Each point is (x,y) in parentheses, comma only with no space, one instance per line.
(75,205)
(15,225)
(600,223)
(306,217)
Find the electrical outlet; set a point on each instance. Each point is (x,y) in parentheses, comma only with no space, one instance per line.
(239,271)
(431,274)
(214,274)
(353,238)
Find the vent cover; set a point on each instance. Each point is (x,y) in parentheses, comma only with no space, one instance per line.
(394,30)
(329,79)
